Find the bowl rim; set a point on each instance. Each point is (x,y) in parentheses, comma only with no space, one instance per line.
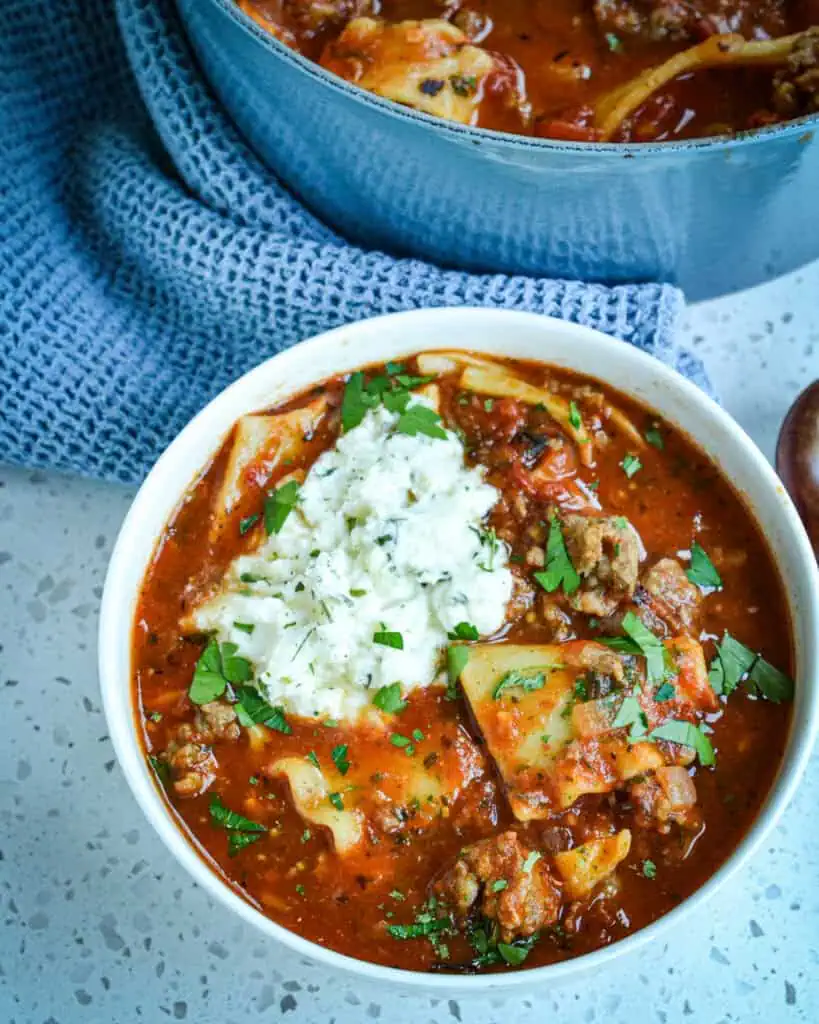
(800,126)
(119,598)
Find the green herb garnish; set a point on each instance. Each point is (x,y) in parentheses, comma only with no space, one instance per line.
(528,680)
(242,830)
(654,437)
(217,666)
(388,699)
(702,572)
(688,735)
(337,801)
(339,756)
(279,505)
(575,419)
(559,569)
(253,709)
(649,869)
(389,639)
(464,631)
(248,523)
(420,419)
(457,658)
(631,465)
(734,663)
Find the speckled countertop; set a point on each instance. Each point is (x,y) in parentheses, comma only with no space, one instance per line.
(98,924)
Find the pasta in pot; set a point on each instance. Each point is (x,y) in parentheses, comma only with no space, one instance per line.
(456,664)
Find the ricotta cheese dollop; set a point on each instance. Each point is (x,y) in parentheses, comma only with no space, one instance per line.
(387,538)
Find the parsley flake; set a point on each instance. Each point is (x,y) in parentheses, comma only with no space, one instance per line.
(649,869)
(339,756)
(217,666)
(559,569)
(702,572)
(631,465)
(279,505)
(388,699)
(386,638)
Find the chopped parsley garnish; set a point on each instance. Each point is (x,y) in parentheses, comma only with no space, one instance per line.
(490,951)
(403,743)
(734,663)
(155,716)
(244,627)
(420,419)
(499,885)
(528,680)
(417,735)
(388,699)
(489,404)
(218,665)
(248,523)
(559,569)
(279,505)
(575,419)
(613,42)
(664,693)
(306,835)
(339,756)
(312,757)
(581,689)
(630,715)
(457,658)
(356,402)
(300,889)
(464,631)
(421,928)
(337,801)
(631,465)
(330,723)
(242,831)
(702,572)
(688,735)
(389,639)
(531,860)
(253,709)
(649,869)
(357,592)
(161,768)
(640,640)
(654,437)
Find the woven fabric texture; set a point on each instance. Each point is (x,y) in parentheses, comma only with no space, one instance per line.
(147,257)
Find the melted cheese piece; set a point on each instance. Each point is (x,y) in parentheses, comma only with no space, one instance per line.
(549,750)
(261,443)
(429,65)
(311,798)
(524,731)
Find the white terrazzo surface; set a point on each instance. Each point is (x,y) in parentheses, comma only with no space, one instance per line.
(99,925)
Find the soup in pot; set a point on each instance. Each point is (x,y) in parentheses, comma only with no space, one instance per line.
(581,70)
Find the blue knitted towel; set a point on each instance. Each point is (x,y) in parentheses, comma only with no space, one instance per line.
(147,257)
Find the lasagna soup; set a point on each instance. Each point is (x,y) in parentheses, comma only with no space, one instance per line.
(462,664)
(581,70)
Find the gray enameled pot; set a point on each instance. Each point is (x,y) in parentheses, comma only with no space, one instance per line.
(711,215)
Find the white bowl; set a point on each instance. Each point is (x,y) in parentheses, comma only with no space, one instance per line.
(521,335)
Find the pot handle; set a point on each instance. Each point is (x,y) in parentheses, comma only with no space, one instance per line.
(797,458)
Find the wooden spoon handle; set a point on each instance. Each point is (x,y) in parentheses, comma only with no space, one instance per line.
(797,458)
